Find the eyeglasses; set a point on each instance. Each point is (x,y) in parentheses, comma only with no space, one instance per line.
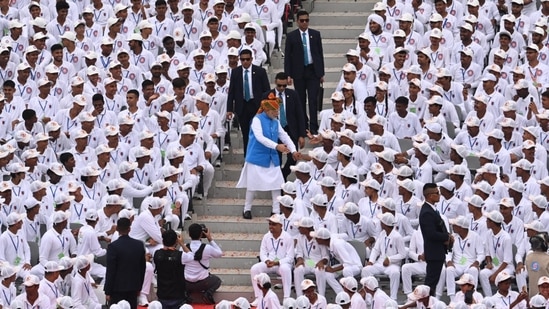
(245,59)
(281,86)
(304,20)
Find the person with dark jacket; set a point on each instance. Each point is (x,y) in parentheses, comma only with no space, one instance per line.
(125,267)
(436,238)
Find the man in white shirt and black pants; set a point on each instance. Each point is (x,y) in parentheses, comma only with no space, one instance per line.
(197,276)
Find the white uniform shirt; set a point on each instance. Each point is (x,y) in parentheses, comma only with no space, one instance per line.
(388,246)
(54,246)
(15,249)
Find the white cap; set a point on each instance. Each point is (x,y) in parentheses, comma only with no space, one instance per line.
(387,219)
(306,222)
(160,185)
(349,208)
(349,67)
(307,283)
(507,202)
(262,278)
(60,216)
(288,187)
(460,221)
(538,301)
(421,291)
(301,167)
(14,218)
(494,216)
(349,283)
(342,298)
(275,219)
(319,200)
(349,171)
(539,200)
(474,200)
(502,276)
(126,166)
(466,279)
(31,280)
(369,283)
(322,233)
(535,225)
(286,201)
(203,97)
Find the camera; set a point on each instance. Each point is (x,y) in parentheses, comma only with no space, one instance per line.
(204,228)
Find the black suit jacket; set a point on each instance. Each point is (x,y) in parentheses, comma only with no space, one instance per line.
(260,84)
(294,114)
(434,233)
(293,53)
(125,265)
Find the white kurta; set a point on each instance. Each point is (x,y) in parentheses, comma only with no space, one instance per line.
(258,178)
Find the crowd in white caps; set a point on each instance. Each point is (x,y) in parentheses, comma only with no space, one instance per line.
(105,102)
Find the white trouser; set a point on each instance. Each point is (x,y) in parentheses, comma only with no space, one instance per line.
(521,279)
(250,198)
(98,270)
(284,270)
(453,272)
(331,278)
(215,152)
(208,176)
(174,219)
(147,280)
(419,268)
(393,271)
(321,278)
(484,275)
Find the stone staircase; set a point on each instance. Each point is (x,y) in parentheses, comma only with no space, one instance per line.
(340,22)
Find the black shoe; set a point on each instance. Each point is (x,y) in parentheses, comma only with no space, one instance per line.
(247,215)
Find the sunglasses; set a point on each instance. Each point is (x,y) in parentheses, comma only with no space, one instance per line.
(281,86)
(304,20)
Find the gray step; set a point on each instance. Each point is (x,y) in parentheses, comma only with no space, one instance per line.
(227,189)
(230,171)
(343,32)
(235,224)
(233,206)
(239,242)
(235,155)
(334,61)
(235,260)
(333,74)
(340,46)
(233,276)
(343,6)
(338,18)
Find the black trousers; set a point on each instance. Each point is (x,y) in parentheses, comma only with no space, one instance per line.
(244,119)
(210,284)
(434,268)
(308,88)
(131,297)
(289,160)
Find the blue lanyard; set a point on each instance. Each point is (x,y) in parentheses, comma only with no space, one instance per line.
(277,245)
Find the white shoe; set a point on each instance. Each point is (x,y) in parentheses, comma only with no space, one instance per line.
(187,217)
(226,148)
(255,302)
(142,300)
(278,286)
(217,163)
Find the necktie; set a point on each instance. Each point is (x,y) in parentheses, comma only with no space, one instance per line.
(247,95)
(305,49)
(283,121)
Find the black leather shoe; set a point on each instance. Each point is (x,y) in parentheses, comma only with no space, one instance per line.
(247,215)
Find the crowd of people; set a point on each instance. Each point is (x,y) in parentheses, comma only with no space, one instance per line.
(432,159)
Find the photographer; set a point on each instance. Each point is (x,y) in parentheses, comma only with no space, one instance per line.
(170,271)
(197,263)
